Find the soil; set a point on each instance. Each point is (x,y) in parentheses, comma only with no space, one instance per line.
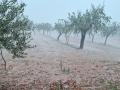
(93,68)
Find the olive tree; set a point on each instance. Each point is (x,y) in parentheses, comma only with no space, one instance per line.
(82,23)
(14,29)
(59,27)
(63,27)
(99,20)
(67,31)
(45,27)
(109,30)
(49,27)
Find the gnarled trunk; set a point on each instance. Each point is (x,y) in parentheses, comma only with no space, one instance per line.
(106,38)
(58,38)
(83,34)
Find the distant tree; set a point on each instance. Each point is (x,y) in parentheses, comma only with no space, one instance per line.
(49,27)
(59,27)
(38,27)
(63,27)
(67,30)
(14,29)
(99,20)
(82,23)
(45,27)
(31,25)
(109,30)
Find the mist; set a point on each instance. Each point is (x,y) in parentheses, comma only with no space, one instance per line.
(59,45)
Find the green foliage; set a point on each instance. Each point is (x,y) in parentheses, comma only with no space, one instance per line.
(92,19)
(64,69)
(14,28)
(112,86)
(110,29)
(45,27)
(58,85)
(99,18)
(63,27)
(59,26)
(81,23)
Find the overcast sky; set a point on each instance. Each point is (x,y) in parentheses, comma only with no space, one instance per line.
(51,10)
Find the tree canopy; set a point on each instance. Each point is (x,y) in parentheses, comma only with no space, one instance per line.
(14,28)
(92,19)
(109,30)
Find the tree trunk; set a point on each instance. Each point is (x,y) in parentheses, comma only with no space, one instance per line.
(106,38)
(83,34)
(5,65)
(67,39)
(93,38)
(58,38)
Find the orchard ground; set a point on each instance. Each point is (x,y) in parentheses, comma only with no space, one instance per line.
(93,67)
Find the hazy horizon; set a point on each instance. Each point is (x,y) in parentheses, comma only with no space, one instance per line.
(52,10)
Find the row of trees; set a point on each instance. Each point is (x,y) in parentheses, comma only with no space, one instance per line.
(44,27)
(92,21)
(14,29)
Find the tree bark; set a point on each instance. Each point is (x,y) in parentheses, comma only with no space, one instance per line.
(5,65)
(106,38)
(58,38)
(83,34)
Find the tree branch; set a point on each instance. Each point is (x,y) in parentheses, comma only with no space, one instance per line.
(3,59)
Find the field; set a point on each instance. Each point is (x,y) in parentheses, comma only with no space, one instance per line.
(94,68)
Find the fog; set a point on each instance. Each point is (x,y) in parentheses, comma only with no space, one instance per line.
(109,52)
(42,47)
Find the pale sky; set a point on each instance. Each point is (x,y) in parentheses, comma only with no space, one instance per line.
(52,10)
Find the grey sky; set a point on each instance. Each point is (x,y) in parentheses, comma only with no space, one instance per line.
(51,10)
